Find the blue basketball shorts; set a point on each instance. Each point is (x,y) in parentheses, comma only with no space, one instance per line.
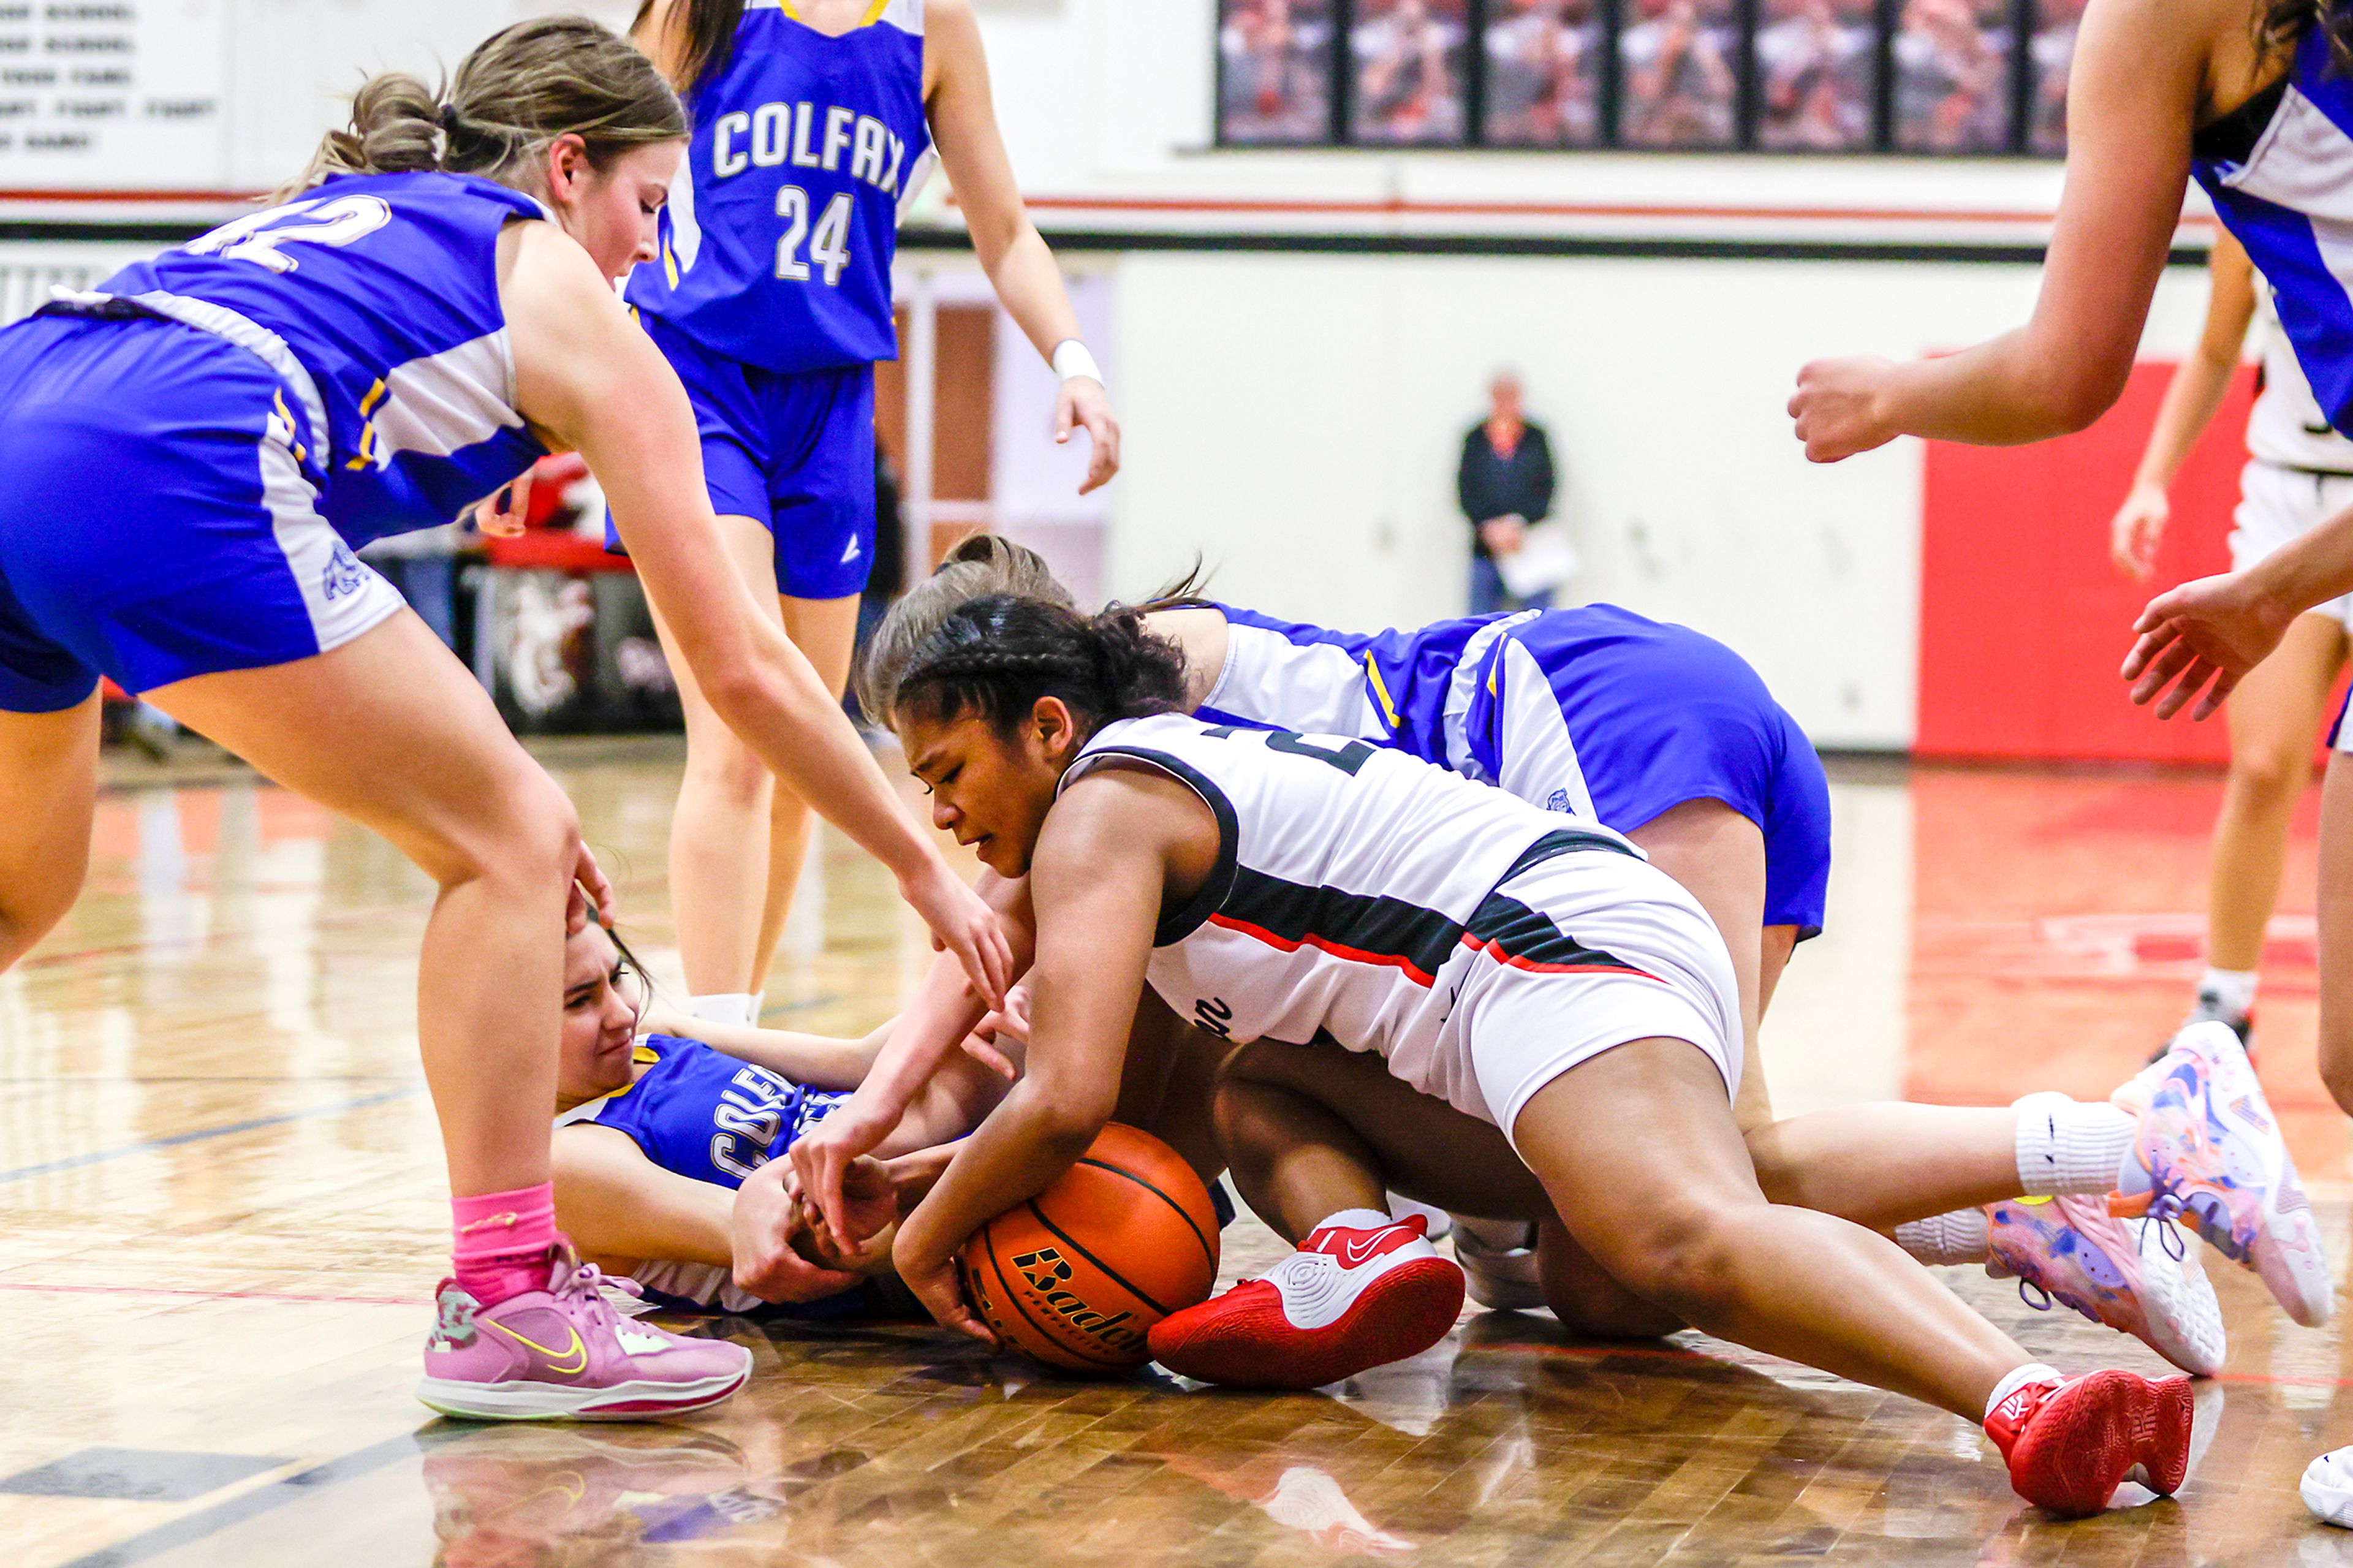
(1623,719)
(795,453)
(158,520)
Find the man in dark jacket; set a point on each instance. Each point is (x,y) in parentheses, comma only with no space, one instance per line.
(1505,483)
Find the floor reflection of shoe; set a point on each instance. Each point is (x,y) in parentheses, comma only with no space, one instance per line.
(2207,1152)
(2070,1443)
(509,1493)
(1499,1257)
(2134,1276)
(2327,1487)
(562,1353)
(1300,1496)
(1346,1301)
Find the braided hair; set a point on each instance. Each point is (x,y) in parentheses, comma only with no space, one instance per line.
(994,656)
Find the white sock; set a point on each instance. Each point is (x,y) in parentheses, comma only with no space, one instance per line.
(1436,1222)
(2032,1372)
(2066,1146)
(724,1007)
(1960,1236)
(1356,1219)
(2231,989)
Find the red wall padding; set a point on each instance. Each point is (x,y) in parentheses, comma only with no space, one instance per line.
(2024,619)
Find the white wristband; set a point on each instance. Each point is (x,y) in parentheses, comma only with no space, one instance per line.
(1070,358)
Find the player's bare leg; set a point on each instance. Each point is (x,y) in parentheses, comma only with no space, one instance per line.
(2274,714)
(826,630)
(49,792)
(719,835)
(390,730)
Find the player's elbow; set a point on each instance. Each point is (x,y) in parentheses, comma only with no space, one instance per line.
(2076,392)
(1066,1123)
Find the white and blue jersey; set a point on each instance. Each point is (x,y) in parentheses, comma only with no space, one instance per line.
(190,453)
(1594,711)
(772,294)
(2280,171)
(700,1113)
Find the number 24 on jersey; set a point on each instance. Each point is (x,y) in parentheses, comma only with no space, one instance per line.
(828,239)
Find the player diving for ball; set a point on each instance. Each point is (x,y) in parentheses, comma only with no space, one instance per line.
(1676,741)
(1521,968)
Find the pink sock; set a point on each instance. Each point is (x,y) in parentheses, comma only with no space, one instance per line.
(504,1240)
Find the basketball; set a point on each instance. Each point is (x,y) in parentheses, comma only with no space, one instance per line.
(1075,1277)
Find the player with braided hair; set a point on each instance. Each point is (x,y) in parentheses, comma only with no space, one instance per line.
(1656,729)
(1529,982)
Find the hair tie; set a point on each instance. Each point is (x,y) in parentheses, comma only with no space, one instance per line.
(449,120)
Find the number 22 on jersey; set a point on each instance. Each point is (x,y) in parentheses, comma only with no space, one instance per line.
(829,242)
(259,237)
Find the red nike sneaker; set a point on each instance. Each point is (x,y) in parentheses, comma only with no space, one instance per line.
(1346,1301)
(2071,1441)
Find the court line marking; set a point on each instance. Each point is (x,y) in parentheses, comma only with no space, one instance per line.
(191,1527)
(216,1295)
(150,1145)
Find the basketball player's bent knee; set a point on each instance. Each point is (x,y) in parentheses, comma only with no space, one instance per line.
(530,840)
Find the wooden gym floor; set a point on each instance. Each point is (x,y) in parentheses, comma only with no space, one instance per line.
(222,1212)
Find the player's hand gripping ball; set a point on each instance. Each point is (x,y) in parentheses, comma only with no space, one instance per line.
(1076,1276)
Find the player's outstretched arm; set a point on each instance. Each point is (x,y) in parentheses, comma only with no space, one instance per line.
(2133,97)
(1098,877)
(614,1203)
(923,1039)
(1012,252)
(588,379)
(2192,398)
(819,1061)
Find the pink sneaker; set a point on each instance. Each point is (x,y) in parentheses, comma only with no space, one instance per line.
(2208,1154)
(564,1353)
(2123,1274)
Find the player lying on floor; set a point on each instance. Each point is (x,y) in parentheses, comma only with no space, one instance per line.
(667,1137)
(668,1131)
(1525,968)
(1941,1178)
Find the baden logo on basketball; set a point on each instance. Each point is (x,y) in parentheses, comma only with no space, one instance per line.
(1048,1274)
(1077,1275)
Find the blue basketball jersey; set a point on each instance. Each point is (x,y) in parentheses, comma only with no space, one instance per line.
(2280,171)
(700,1113)
(778,237)
(375,298)
(1387,687)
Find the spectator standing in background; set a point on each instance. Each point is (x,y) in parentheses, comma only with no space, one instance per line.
(1505,484)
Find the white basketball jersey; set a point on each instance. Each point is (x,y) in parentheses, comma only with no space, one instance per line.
(2287,426)
(1348,880)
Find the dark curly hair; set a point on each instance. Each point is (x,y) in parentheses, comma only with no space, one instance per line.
(996,656)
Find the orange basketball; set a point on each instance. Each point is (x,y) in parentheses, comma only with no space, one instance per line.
(1076,1275)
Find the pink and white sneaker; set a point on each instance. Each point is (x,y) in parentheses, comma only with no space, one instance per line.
(1346,1301)
(2131,1276)
(2208,1154)
(564,1353)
